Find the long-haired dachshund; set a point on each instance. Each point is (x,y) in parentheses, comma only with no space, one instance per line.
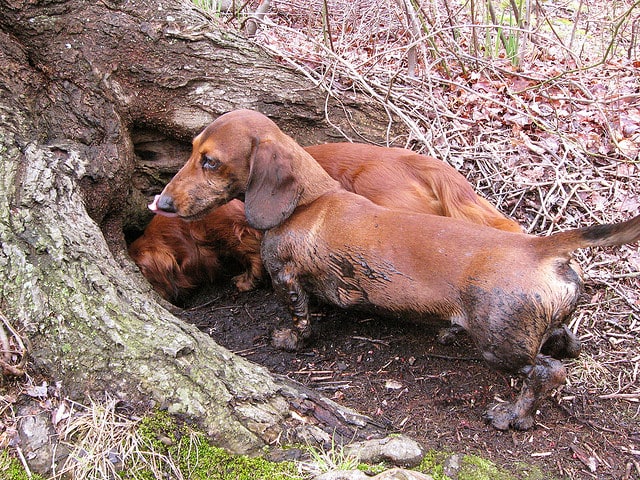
(177,256)
(401,179)
(511,292)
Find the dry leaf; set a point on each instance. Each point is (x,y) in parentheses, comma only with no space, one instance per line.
(393,385)
(629,148)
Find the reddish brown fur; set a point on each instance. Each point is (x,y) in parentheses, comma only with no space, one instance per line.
(401,179)
(168,253)
(511,292)
(177,256)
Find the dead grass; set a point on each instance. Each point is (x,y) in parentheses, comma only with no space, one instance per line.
(102,442)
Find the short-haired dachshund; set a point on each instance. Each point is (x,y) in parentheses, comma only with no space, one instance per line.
(511,292)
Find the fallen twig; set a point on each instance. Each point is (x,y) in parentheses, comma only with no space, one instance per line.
(8,352)
(371,340)
(625,396)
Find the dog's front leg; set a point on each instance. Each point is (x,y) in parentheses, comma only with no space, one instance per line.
(541,378)
(288,286)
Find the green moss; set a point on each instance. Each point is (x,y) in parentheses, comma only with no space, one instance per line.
(197,459)
(159,431)
(11,468)
(372,469)
(478,468)
(433,464)
(206,462)
(473,467)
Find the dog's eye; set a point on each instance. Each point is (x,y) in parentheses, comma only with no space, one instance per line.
(210,163)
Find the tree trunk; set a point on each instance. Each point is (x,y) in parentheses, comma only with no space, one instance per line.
(98,104)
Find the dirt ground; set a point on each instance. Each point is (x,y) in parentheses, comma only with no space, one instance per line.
(399,374)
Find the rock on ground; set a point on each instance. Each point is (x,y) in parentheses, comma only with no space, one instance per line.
(393,474)
(398,450)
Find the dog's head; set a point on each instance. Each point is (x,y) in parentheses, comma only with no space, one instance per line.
(159,266)
(240,152)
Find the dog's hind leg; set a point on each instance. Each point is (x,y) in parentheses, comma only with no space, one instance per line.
(562,343)
(541,378)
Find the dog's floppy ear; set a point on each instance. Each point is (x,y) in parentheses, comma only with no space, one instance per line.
(272,190)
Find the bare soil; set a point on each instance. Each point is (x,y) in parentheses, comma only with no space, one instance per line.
(400,375)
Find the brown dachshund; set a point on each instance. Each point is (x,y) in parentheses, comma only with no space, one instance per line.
(401,179)
(511,292)
(177,256)
(176,261)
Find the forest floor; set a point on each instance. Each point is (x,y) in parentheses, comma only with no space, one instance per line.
(398,374)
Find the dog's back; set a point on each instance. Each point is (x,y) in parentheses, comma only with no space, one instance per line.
(401,179)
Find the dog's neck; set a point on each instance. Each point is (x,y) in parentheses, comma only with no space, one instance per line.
(313,179)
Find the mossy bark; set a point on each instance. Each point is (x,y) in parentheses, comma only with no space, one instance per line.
(86,89)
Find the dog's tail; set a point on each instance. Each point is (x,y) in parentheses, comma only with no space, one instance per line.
(594,236)
(459,200)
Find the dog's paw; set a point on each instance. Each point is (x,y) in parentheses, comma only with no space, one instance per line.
(244,282)
(287,339)
(503,416)
(562,343)
(448,335)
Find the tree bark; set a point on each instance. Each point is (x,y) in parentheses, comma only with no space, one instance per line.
(98,104)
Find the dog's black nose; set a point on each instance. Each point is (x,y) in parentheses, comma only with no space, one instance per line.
(165,203)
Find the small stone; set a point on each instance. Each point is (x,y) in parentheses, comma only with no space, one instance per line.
(401,474)
(38,440)
(393,385)
(397,450)
(392,474)
(452,466)
(310,435)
